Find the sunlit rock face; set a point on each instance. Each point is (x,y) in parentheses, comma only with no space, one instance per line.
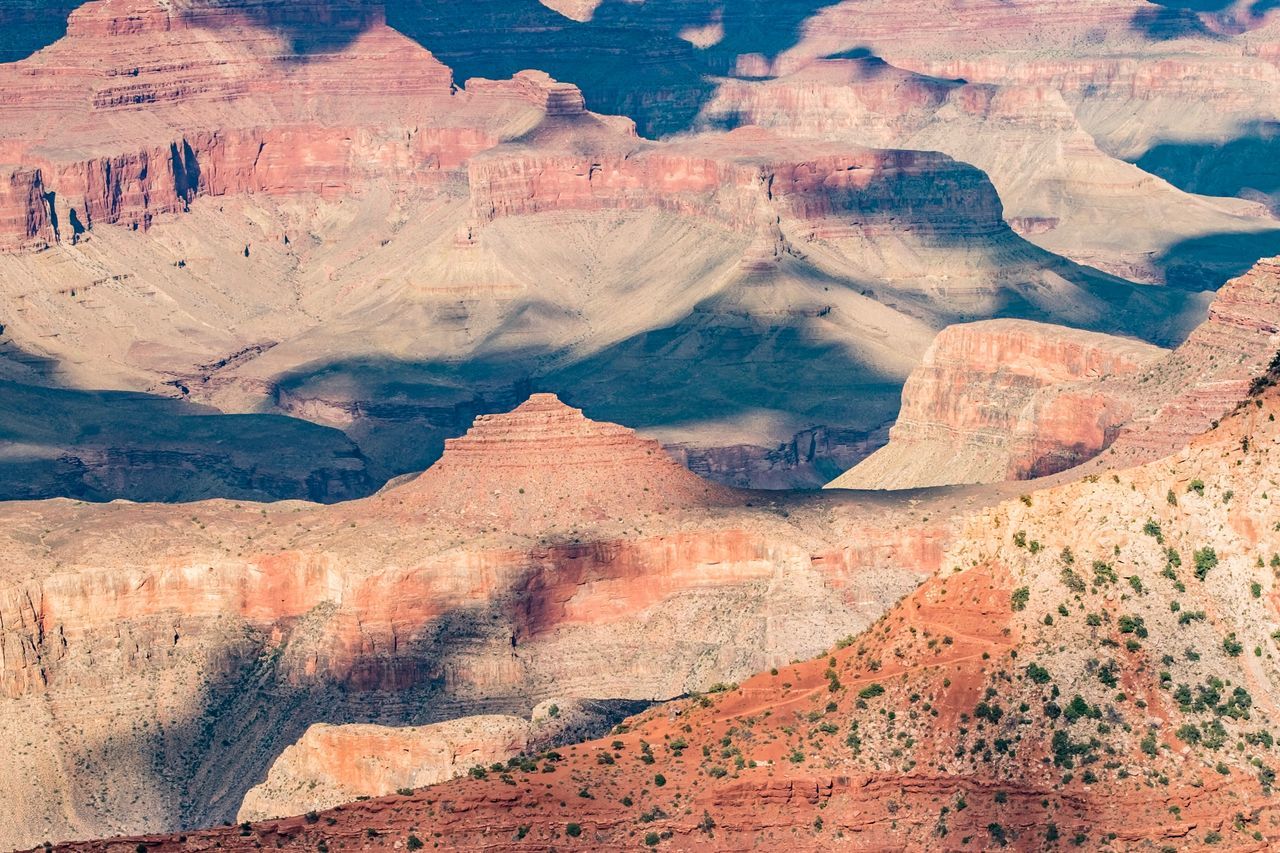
(1003,399)
(545,557)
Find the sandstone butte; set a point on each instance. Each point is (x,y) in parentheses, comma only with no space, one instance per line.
(1091,665)
(1009,399)
(156,659)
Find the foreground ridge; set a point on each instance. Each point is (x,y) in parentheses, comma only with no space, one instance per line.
(1087,666)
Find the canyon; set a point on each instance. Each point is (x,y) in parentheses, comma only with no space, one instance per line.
(1090,663)
(608,425)
(205,204)
(141,640)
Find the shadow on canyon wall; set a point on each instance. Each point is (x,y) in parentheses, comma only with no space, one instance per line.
(1164,20)
(628,59)
(728,368)
(1205,263)
(265,688)
(1247,166)
(103,445)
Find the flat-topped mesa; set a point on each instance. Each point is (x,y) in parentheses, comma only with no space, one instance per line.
(739,180)
(1003,399)
(545,464)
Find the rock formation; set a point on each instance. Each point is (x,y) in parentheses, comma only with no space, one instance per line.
(544,465)
(1068,202)
(1003,400)
(140,642)
(1138,407)
(1017,698)
(304,248)
(331,765)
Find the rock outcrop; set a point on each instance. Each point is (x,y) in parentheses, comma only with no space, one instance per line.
(744,180)
(1017,698)
(1003,400)
(1208,375)
(331,765)
(1138,407)
(144,107)
(1067,202)
(315,242)
(141,641)
(544,465)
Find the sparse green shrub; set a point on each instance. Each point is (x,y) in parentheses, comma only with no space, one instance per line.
(1038,674)
(871,691)
(1019,598)
(1188,733)
(1205,559)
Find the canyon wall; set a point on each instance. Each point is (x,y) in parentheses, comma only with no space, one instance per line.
(1003,399)
(139,642)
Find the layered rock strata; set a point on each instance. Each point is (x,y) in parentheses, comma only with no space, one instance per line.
(543,464)
(1137,408)
(1003,399)
(140,642)
(1014,699)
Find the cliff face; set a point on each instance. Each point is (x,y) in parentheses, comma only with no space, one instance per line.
(327,227)
(1067,202)
(1018,689)
(1119,63)
(743,180)
(139,641)
(1212,371)
(143,107)
(1003,399)
(981,409)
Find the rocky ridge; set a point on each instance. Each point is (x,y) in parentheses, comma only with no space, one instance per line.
(1088,665)
(139,638)
(1137,408)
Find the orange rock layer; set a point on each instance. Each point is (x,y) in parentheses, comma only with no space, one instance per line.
(1003,399)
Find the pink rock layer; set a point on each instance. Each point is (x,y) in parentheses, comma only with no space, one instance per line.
(142,107)
(744,180)
(1003,399)
(545,464)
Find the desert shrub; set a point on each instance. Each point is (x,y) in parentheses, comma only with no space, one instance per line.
(871,691)
(1205,559)
(1037,673)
